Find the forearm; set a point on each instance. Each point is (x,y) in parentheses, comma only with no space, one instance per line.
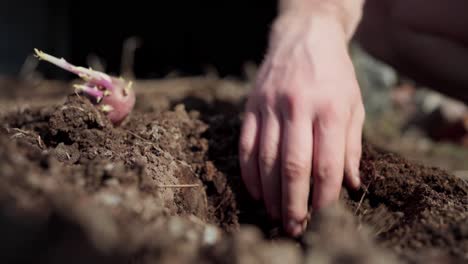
(347,12)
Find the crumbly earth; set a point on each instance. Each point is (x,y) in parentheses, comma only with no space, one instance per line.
(164,187)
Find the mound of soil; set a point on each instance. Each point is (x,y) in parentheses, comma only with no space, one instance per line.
(165,188)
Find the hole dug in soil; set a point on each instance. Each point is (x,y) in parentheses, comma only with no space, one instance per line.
(165,188)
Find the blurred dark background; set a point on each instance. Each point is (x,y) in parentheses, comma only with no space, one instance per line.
(176,36)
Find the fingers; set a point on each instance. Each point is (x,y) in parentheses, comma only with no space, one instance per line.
(248,151)
(296,171)
(354,148)
(329,150)
(268,160)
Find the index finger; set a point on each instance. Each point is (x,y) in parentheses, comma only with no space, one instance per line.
(248,148)
(329,152)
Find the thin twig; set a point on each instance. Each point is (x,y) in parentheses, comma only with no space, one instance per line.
(225,198)
(137,136)
(178,186)
(72,107)
(380,231)
(364,213)
(20,132)
(39,141)
(77,94)
(360,219)
(146,140)
(362,198)
(16,135)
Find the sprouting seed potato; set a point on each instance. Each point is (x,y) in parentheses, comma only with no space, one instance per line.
(113,95)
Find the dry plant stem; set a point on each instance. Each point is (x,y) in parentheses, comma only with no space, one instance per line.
(380,231)
(39,141)
(362,198)
(178,186)
(73,107)
(221,203)
(21,132)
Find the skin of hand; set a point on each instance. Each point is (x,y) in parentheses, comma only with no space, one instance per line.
(303,119)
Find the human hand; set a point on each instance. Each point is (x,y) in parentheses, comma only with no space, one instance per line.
(303,118)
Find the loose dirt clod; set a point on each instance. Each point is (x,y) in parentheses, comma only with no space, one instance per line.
(164,187)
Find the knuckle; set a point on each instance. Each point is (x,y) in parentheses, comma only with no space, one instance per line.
(251,103)
(293,103)
(333,111)
(291,99)
(325,174)
(294,169)
(267,159)
(295,213)
(266,99)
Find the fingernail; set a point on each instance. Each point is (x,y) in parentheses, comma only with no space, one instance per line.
(357,178)
(295,228)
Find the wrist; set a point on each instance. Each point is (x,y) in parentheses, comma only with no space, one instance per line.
(308,25)
(347,14)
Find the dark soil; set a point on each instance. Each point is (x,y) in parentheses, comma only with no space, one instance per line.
(165,188)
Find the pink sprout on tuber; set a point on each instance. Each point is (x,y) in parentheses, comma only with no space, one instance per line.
(114,96)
